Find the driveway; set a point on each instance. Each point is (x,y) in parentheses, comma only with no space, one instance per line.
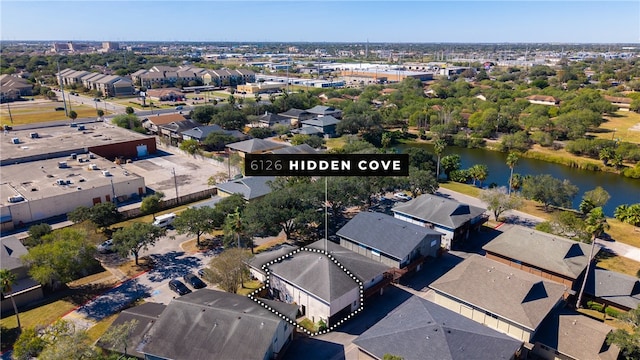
(170,261)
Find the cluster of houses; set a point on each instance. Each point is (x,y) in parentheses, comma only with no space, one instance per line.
(160,76)
(318,120)
(511,303)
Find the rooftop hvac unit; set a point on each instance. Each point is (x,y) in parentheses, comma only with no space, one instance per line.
(15,141)
(93,167)
(106,173)
(62,165)
(61,182)
(80,127)
(34,135)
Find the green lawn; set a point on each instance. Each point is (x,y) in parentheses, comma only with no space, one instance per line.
(249,287)
(618,127)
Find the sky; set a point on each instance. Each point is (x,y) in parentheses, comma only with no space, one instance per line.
(541,21)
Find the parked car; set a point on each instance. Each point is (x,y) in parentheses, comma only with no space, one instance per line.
(194,281)
(201,272)
(179,107)
(7,127)
(96,100)
(106,247)
(402,196)
(60,108)
(178,287)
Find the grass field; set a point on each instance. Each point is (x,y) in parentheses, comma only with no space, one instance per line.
(618,127)
(96,331)
(249,287)
(619,264)
(41,111)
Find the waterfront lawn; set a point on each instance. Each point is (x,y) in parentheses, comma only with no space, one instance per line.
(623,232)
(621,123)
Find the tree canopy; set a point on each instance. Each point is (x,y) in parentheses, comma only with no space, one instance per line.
(135,238)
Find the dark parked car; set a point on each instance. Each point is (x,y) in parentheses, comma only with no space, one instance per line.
(60,108)
(178,287)
(194,281)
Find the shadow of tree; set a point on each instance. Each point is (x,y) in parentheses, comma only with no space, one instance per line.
(171,265)
(115,300)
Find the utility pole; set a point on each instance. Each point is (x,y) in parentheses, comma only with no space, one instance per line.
(64,102)
(9,108)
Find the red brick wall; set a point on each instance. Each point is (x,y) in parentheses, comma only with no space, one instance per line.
(126,149)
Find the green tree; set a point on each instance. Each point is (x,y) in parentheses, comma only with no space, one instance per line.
(36,232)
(629,214)
(28,345)
(388,356)
(421,182)
(191,146)
(548,190)
(438,148)
(129,110)
(229,269)
(312,140)
(450,163)
(479,172)
(512,160)
(104,214)
(118,336)
(7,280)
(596,225)
(498,200)
(217,140)
(63,256)
(135,238)
(79,214)
(151,204)
(260,132)
(288,209)
(235,224)
(100,112)
(195,221)
(73,115)
(628,341)
(591,199)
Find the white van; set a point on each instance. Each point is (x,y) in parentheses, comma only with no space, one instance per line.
(164,220)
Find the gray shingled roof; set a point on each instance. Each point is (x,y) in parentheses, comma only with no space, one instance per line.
(421,330)
(249,187)
(200,132)
(258,260)
(385,233)
(576,335)
(298,149)
(361,266)
(546,251)
(321,121)
(10,251)
(146,315)
(293,113)
(439,210)
(513,294)
(255,146)
(322,110)
(209,324)
(315,273)
(270,118)
(615,287)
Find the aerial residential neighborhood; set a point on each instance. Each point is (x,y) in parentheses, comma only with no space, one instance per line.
(147,210)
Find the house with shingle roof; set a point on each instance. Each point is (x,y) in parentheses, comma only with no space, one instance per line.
(269,119)
(200,132)
(611,288)
(25,290)
(316,284)
(323,126)
(255,146)
(543,100)
(449,217)
(12,88)
(393,242)
(210,324)
(251,187)
(296,116)
(566,334)
(509,300)
(543,254)
(153,123)
(320,110)
(146,315)
(421,330)
(296,149)
(623,103)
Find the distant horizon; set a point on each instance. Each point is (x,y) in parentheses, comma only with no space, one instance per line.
(379,22)
(637,44)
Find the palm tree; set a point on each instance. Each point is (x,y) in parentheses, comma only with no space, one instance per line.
(7,280)
(438,148)
(235,223)
(596,224)
(512,159)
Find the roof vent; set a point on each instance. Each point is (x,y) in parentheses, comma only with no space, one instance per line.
(106,173)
